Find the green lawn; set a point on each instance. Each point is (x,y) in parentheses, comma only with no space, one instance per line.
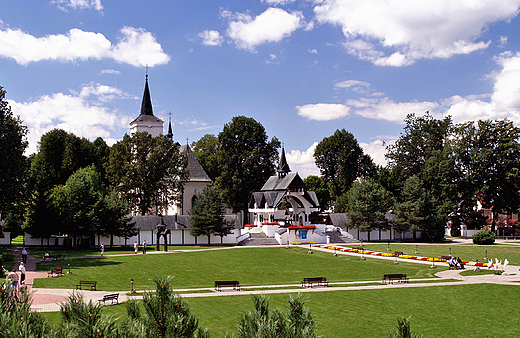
(470,252)
(482,310)
(251,266)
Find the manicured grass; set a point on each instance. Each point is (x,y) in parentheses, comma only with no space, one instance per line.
(470,252)
(17,241)
(251,266)
(482,310)
(482,271)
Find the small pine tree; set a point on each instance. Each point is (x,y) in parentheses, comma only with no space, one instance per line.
(403,329)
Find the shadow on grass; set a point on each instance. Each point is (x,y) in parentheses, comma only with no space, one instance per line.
(76,263)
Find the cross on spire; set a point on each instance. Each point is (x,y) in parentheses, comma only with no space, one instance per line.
(187,141)
(146,67)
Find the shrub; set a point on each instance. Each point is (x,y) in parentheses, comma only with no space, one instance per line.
(484,237)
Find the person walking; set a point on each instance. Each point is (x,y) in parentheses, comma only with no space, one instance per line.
(22,270)
(102,246)
(24,255)
(144,247)
(136,247)
(13,277)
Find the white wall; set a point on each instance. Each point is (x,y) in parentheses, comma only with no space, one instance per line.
(7,238)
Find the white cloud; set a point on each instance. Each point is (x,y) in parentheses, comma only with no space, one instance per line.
(303,161)
(271,26)
(211,38)
(376,150)
(110,71)
(136,47)
(80,113)
(398,32)
(78,4)
(313,51)
(386,109)
(323,111)
(277,2)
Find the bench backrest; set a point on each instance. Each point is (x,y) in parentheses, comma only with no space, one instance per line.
(226,282)
(395,275)
(88,282)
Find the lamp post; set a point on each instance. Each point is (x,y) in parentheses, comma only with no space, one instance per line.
(416,249)
(335,254)
(486,256)
(132,282)
(450,252)
(362,251)
(388,248)
(70,272)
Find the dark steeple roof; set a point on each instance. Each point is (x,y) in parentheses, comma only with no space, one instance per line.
(170,132)
(283,167)
(146,106)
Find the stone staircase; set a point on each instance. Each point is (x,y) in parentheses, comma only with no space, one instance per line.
(337,237)
(259,238)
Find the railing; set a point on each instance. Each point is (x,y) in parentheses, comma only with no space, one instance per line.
(243,237)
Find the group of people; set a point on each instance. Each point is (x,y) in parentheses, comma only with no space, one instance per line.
(17,281)
(136,246)
(456,263)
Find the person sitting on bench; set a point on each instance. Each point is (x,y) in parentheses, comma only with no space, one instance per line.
(459,263)
(453,263)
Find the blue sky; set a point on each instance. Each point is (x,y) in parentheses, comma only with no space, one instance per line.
(301,68)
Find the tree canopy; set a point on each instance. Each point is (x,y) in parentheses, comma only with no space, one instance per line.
(13,166)
(246,160)
(341,160)
(207,215)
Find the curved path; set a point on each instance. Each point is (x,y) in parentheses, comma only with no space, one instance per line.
(48,300)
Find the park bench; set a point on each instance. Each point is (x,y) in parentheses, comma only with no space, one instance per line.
(401,277)
(51,258)
(398,253)
(58,270)
(110,297)
(445,258)
(229,283)
(309,281)
(87,283)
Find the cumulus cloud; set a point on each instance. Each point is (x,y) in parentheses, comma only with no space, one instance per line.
(136,47)
(377,150)
(277,2)
(323,111)
(303,161)
(271,26)
(211,38)
(78,4)
(81,113)
(398,32)
(386,109)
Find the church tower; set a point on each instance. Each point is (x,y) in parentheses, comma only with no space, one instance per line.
(147,121)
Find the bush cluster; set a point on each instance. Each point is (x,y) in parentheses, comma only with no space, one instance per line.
(484,237)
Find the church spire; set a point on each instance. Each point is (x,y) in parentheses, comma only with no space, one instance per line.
(146,106)
(283,167)
(170,132)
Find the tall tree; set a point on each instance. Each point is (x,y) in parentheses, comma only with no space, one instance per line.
(147,171)
(417,211)
(207,215)
(60,155)
(488,154)
(321,188)
(341,160)
(112,218)
(246,160)
(13,163)
(205,149)
(367,204)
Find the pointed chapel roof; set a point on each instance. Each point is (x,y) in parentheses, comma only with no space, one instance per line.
(170,132)
(146,114)
(196,172)
(283,167)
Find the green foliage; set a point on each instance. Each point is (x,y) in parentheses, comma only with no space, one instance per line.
(246,160)
(341,160)
(403,329)
(13,163)
(484,237)
(417,211)
(111,218)
(206,216)
(205,149)
(321,188)
(147,171)
(367,203)
(259,323)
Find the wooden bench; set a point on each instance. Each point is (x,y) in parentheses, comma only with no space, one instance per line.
(58,271)
(111,297)
(229,283)
(82,283)
(398,253)
(309,281)
(401,277)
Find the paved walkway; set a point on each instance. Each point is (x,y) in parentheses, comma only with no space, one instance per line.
(48,300)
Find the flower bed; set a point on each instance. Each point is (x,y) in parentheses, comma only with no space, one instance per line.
(302,227)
